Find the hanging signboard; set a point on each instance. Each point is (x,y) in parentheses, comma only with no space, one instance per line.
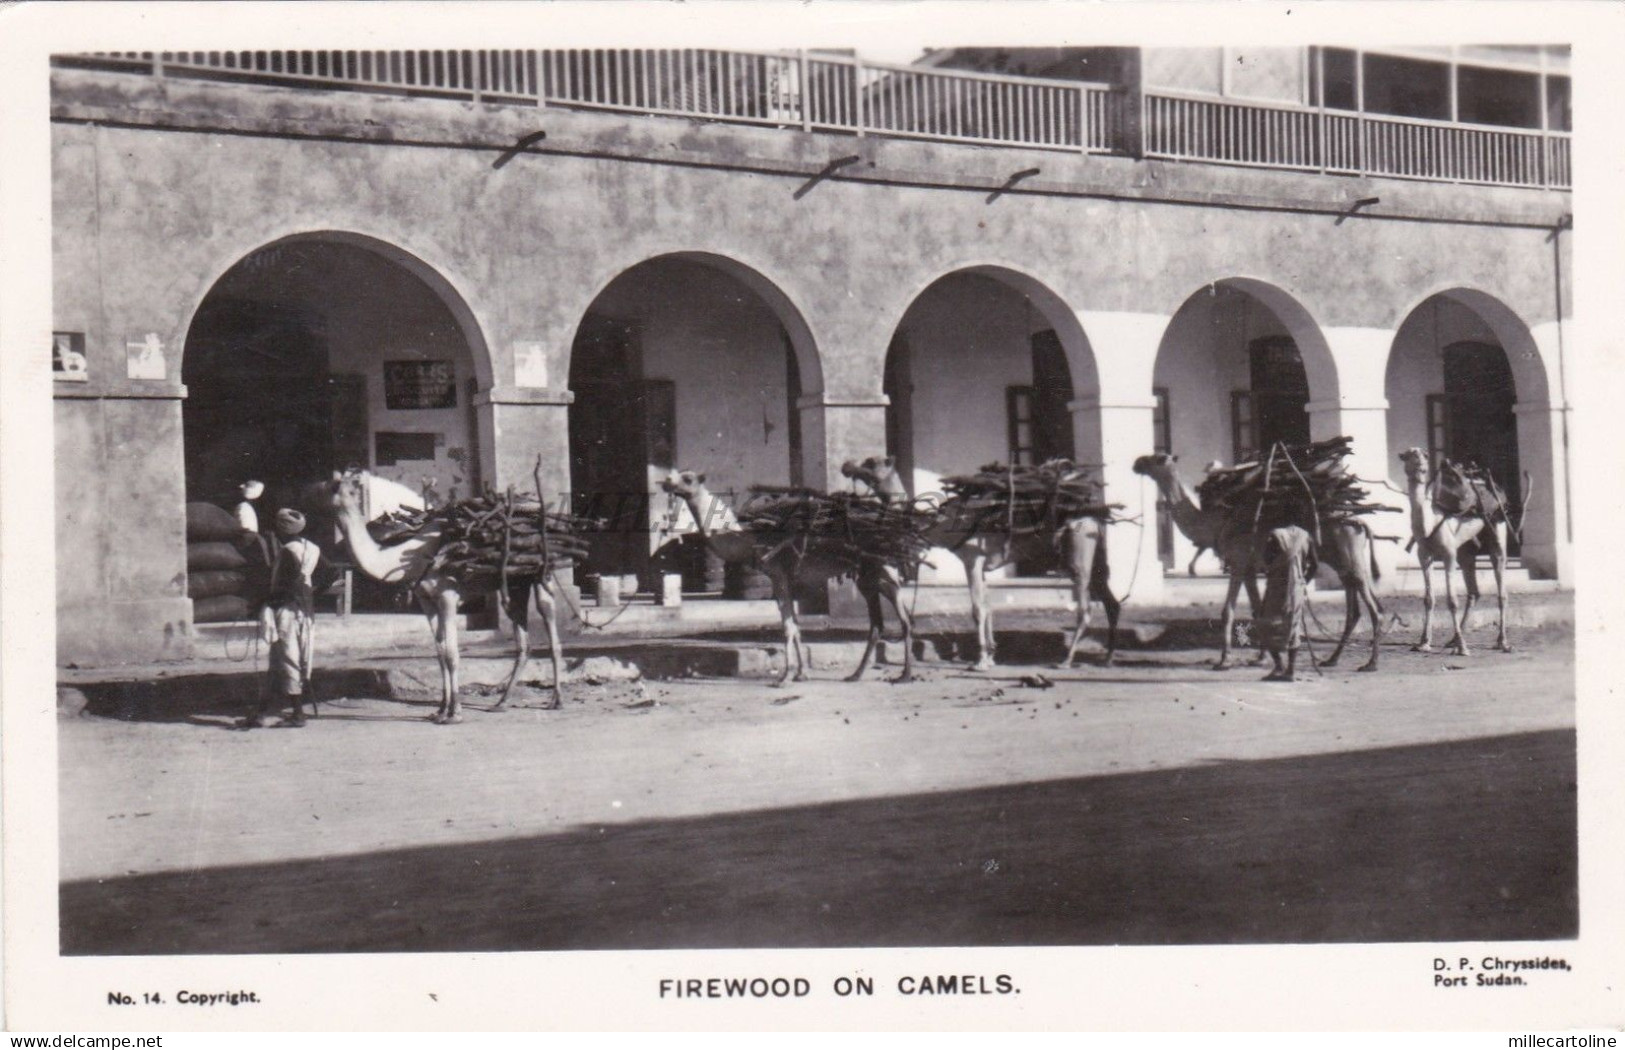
(420,384)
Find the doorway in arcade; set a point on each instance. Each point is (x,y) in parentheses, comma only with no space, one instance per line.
(976,374)
(677,364)
(311,356)
(1230,383)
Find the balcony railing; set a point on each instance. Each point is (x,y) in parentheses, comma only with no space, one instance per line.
(821,92)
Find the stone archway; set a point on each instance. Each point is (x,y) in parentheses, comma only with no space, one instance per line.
(988,364)
(1240,367)
(1465,379)
(693,360)
(322,351)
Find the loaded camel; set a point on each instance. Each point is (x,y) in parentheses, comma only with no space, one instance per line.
(409,565)
(787,568)
(1347,546)
(981,549)
(1459,537)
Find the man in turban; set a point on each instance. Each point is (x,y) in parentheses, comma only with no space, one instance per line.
(288,620)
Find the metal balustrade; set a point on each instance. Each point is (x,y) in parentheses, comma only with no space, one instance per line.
(823,92)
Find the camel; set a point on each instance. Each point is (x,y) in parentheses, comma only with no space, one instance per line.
(1443,537)
(1348,547)
(787,569)
(410,565)
(1084,542)
(1238,550)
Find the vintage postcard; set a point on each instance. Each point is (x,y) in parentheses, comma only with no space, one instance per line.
(811,516)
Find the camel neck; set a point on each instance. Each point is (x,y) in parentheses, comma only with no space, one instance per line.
(1422,517)
(1186,508)
(369,557)
(711,515)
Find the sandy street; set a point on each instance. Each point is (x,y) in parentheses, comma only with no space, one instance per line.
(1153,802)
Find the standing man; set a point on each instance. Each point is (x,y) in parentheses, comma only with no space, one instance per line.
(288,620)
(248,518)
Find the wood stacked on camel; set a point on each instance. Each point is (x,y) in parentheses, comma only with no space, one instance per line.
(1303,485)
(488,539)
(845,527)
(506,546)
(1236,530)
(1028,500)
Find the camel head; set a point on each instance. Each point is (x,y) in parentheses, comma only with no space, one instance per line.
(1416,465)
(347,491)
(1159,467)
(685,483)
(878,472)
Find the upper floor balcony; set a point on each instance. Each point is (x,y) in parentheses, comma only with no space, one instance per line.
(844,94)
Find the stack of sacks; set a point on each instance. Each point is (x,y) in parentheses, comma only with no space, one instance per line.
(226,568)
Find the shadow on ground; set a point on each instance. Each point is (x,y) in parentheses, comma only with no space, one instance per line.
(1468,840)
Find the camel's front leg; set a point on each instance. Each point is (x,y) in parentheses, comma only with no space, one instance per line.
(1373,609)
(1500,602)
(1250,581)
(892,588)
(449,656)
(1458,644)
(871,599)
(1080,625)
(519,615)
(1351,616)
(548,607)
(1232,592)
(1426,644)
(981,613)
(792,630)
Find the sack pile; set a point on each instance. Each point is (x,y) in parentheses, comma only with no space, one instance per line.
(487,537)
(1023,500)
(852,529)
(1303,485)
(227,571)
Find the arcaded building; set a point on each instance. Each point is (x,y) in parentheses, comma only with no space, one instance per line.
(463,269)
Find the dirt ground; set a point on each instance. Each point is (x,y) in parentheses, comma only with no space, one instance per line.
(1156,801)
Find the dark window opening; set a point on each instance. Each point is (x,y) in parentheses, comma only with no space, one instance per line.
(1497,96)
(1407,87)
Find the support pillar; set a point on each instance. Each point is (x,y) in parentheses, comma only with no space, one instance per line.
(1548,537)
(1110,437)
(121,524)
(1113,428)
(516,425)
(1367,425)
(835,429)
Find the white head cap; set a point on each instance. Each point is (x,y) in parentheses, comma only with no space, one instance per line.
(252,489)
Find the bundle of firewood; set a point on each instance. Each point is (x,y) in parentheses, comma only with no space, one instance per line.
(1027,499)
(490,537)
(1303,485)
(845,526)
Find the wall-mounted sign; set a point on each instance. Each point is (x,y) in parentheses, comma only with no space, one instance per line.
(392,447)
(68,357)
(144,357)
(529,364)
(420,384)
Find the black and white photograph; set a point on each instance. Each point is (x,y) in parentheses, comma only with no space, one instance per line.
(959,519)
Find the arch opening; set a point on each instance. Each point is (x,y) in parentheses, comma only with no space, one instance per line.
(986,366)
(1454,384)
(1236,372)
(319,352)
(686,360)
